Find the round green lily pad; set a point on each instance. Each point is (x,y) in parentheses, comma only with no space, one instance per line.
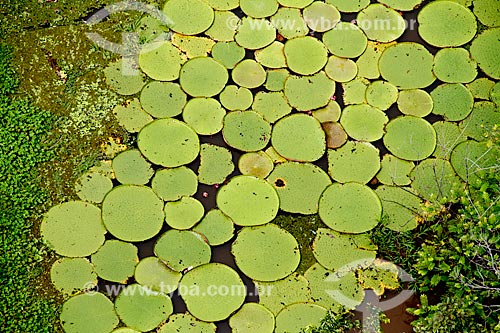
(246,130)
(252,317)
(259,8)
(249,74)
(480,88)
(381,23)
(415,102)
(395,171)
(345,40)
(453,101)
(236,98)
(228,54)
(335,135)
(161,61)
(189,17)
(163,99)
(363,122)
(481,121)
(485,49)
(454,65)
(349,6)
(183,214)
(276,295)
(93,186)
(487,12)
(446,23)
(119,81)
(332,290)
(203,77)
(305,55)
(308,93)
(368,62)
(115,261)
(141,308)
(321,16)
(248,200)
(296,316)
(410,138)
(224,27)
(151,272)
(217,227)
(216,164)
(79,314)
(172,184)
(131,167)
(271,105)
(448,135)
(186,323)
(181,249)
(433,179)
(295,3)
(354,162)
(266,253)
(299,137)
(257,164)
(407,65)
(131,116)
(401,207)
(255,34)
(204,115)
(72,275)
(381,94)
(132,213)
(168,142)
(403,5)
(73,229)
(275,80)
(341,69)
(271,56)
(290,23)
(471,160)
(291,180)
(216,285)
(339,208)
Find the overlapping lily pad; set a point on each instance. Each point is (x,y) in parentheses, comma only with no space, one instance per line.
(72,275)
(448,135)
(163,99)
(93,186)
(249,74)
(485,49)
(183,214)
(453,101)
(481,121)
(272,106)
(228,54)
(215,164)
(252,317)
(363,122)
(321,16)
(246,130)
(401,207)
(131,116)
(172,184)
(299,315)
(257,164)
(217,227)
(394,171)
(115,261)
(353,162)
(308,93)
(381,94)
(161,60)
(255,33)
(151,272)
(119,81)
(434,179)
(131,167)
(471,160)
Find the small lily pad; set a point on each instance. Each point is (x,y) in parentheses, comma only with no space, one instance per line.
(354,91)
(381,94)
(275,80)
(228,54)
(252,317)
(415,102)
(254,33)
(204,115)
(353,162)
(266,253)
(485,49)
(395,171)
(151,272)
(216,164)
(363,122)
(217,227)
(161,61)
(309,92)
(259,8)
(246,130)
(290,23)
(203,77)
(236,98)
(163,99)
(368,62)
(345,40)
(481,87)
(296,316)
(271,56)
(183,214)
(186,323)
(189,17)
(370,20)
(249,74)
(433,179)
(341,69)
(305,55)
(224,26)
(257,164)
(453,101)
(93,186)
(454,65)
(72,275)
(401,207)
(272,106)
(115,261)
(131,116)
(321,16)
(172,184)
(330,113)
(131,167)
(119,81)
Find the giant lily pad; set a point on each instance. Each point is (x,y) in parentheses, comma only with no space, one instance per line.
(248,201)
(266,253)
(121,82)
(246,130)
(131,116)
(381,23)
(355,91)
(249,74)
(453,101)
(131,167)
(204,115)
(151,272)
(79,314)
(309,92)
(271,106)
(341,69)
(203,77)
(189,17)
(485,49)
(290,23)
(275,80)
(73,229)
(180,249)
(72,275)
(354,162)
(394,171)
(381,94)
(215,164)
(305,55)
(448,137)
(186,323)
(299,137)
(296,316)
(415,102)
(132,213)
(115,261)
(401,207)
(481,87)
(257,164)
(368,62)
(183,214)
(163,99)
(321,16)
(434,179)
(487,12)
(168,142)
(93,186)
(345,40)
(454,65)
(217,286)
(339,208)
(161,60)
(255,33)
(224,26)
(299,186)
(217,227)
(271,56)
(252,317)
(172,184)
(363,122)
(236,98)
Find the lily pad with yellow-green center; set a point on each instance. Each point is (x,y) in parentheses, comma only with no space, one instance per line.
(292,179)
(266,253)
(224,27)
(415,102)
(434,179)
(72,275)
(354,162)
(115,261)
(186,323)
(339,208)
(345,40)
(305,55)
(453,101)
(153,273)
(218,286)
(189,17)
(93,186)
(248,201)
(119,81)
(161,61)
(299,137)
(321,16)
(163,99)
(407,65)
(349,6)
(381,23)
(228,53)
(216,164)
(290,23)
(73,229)
(257,164)
(253,34)
(381,94)
(363,122)
(181,249)
(236,98)
(249,74)
(448,136)
(172,184)
(410,138)
(246,130)
(485,49)
(487,12)
(203,77)
(401,207)
(131,167)
(485,116)
(131,116)
(271,56)
(394,171)
(204,115)
(252,317)
(454,65)
(473,160)
(168,142)
(259,8)
(296,316)
(341,69)
(217,227)
(306,93)
(354,91)
(184,214)
(132,213)
(272,106)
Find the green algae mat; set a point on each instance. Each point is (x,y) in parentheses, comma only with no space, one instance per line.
(316,108)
